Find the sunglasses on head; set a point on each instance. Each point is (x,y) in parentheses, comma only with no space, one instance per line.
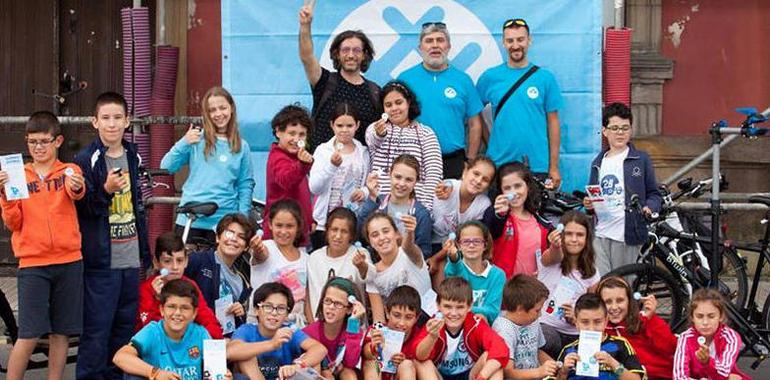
(439,25)
(515,22)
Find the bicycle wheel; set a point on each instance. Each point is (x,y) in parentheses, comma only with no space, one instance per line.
(733,280)
(9,321)
(649,279)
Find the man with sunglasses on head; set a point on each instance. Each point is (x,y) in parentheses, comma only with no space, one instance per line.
(448,99)
(621,172)
(351,53)
(525,101)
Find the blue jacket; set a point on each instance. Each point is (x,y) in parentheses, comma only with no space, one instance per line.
(93,208)
(639,179)
(423,231)
(202,268)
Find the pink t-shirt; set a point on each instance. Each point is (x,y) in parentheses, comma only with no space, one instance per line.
(350,342)
(529,242)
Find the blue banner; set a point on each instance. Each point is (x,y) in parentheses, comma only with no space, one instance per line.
(261,66)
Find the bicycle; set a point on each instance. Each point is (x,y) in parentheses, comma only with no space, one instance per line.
(662,272)
(685,254)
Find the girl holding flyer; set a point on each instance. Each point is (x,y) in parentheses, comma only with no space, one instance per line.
(568,271)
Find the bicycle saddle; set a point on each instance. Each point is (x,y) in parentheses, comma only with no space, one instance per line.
(198,208)
(763,199)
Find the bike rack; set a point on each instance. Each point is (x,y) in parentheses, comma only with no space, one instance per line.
(749,129)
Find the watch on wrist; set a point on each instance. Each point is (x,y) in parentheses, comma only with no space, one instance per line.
(619,371)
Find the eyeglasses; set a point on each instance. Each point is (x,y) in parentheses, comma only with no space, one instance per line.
(336,304)
(355,50)
(619,128)
(438,25)
(515,22)
(473,242)
(272,309)
(41,143)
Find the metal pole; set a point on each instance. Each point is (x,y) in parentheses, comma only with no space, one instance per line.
(176,120)
(619,19)
(725,206)
(697,161)
(716,262)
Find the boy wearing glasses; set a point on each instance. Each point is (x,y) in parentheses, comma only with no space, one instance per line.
(621,171)
(448,99)
(273,348)
(171,348)
(469,259)
(170,260)
(114,242)
(46,240)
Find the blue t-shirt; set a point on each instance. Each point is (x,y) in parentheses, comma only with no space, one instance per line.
(184,357)
(447,98)
(487,286)
(270,362)
(521,126)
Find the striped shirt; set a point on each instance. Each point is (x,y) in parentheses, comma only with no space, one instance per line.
(417,140)
(724,351)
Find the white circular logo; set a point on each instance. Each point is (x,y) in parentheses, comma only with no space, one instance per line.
(532,92)
(223,158)
(450,93)
(396,42)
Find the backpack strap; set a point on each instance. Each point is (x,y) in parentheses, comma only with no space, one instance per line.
(331,85)
(515,87)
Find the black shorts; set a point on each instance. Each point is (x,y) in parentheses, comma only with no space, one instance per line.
(50,300)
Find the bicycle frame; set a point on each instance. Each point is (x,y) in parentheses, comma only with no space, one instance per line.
(752,336)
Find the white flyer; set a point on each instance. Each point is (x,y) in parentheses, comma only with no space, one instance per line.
(391,345)
(214,359)
(227,321)
(16,187)
(590,342)
(598,201)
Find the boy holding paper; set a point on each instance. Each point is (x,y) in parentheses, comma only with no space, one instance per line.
(613,357)
(46,240)
(170,260)
(273,348)
(461,344)
(170,348)
(402,308)
(618,174)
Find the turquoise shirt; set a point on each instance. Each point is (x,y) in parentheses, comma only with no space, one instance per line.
(223,177)
(487,286)
(184,357)
(447,98)
(521,126)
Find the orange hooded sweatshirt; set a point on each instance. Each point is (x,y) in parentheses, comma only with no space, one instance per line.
(45,226)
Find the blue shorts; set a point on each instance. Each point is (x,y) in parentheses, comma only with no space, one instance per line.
(50,300)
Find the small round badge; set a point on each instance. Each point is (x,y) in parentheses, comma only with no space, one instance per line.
(69,172)
(532,92)
(223,158)
(450,93)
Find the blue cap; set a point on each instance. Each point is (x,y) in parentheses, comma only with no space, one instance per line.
(358,244)
(439,315)
(637,296)
(452,236)
(163,272)
(560,227)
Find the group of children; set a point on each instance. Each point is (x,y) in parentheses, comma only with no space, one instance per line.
(450,284)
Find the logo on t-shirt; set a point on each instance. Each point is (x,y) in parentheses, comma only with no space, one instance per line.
(194,352)
(532,92)
(450,93)
(610,185)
